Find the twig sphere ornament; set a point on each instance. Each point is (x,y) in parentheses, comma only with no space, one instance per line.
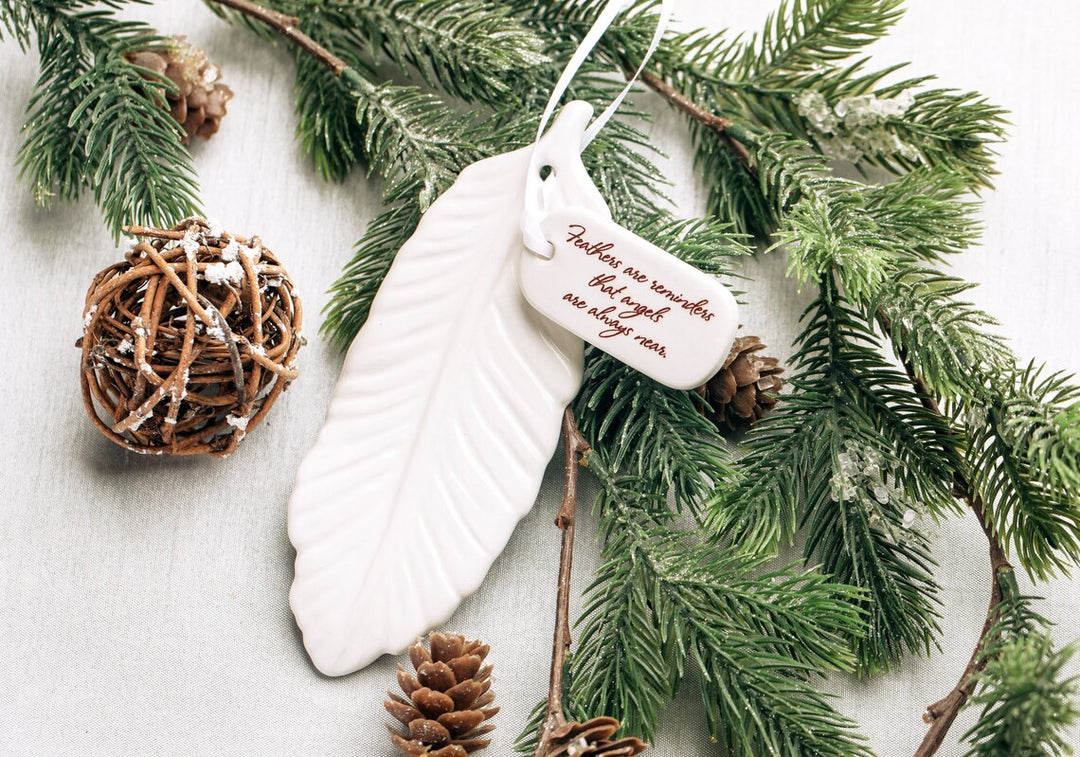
(189,341)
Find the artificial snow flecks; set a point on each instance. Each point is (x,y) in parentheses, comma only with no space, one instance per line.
(224,273)
(975,416)
(214,228)
(125,347)
(231,251)
(89,316)
(858,477)
(238,422)
(909,519)
(857,127)
(216,333)
(140,418)
(179,389)
(190,244)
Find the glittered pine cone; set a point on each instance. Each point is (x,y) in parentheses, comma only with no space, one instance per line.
(198,105)
(745,388)
(188,342)
(592,739)
(448,699)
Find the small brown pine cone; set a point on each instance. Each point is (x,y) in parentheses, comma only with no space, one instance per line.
(592,739)
(745,388)
(446,702)
(199,104)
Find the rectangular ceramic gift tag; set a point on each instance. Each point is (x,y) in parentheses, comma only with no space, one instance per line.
(635,301)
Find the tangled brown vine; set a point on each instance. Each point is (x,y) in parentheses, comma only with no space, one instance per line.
(188,341)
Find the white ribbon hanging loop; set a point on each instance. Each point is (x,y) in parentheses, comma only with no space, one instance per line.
(535,205)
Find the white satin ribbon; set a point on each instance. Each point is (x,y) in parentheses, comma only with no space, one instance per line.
(534,195)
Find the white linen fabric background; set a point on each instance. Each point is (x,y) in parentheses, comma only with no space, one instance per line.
(143,602)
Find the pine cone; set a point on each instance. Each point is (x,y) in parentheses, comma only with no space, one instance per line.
(591,739)
(447,701)
(199,105)
(745,389)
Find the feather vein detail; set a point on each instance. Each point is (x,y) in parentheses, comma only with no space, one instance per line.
(443,421)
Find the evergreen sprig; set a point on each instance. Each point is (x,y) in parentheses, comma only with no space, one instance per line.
(95,121)
(1028,704)
(802,36)
(663,599)
(847,455)
(1023,454)
(1027,701)
(467,48)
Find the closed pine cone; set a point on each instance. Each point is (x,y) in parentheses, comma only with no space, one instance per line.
(448,699)
(592,739)
(199,104)
(745,388)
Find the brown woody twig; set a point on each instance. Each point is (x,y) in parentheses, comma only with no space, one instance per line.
(175,363)
(711,121)
(941,714)
(575,450)
(287,26)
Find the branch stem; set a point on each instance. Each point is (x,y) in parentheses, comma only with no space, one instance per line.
(287,25)
(941,714)
(575,448)
(717,124)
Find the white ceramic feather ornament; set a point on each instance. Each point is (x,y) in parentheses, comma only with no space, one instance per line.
(446,414)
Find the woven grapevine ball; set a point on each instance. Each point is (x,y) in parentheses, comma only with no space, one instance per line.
(189,341)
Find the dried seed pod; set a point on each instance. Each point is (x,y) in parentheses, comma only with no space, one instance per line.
(745,388)
(198,105)
(592,739)
(447,701)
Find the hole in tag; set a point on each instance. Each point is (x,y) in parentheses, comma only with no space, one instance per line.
(545,172)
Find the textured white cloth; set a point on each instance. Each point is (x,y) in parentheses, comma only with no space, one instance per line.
(143,602)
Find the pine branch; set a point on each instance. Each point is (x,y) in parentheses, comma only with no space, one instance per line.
(797,77)
(98,122)
(1023,455)
(854,417)
(805,34)
(326,118)
(941,714)
(1027,702)
(1028,705)
(409,138)
(661,600)
(354,291)
(469,49)
(405,132)
(616,160)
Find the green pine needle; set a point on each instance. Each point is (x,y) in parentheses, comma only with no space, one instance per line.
(1027,703)
(663,600)
(1024,454)
(98,123)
